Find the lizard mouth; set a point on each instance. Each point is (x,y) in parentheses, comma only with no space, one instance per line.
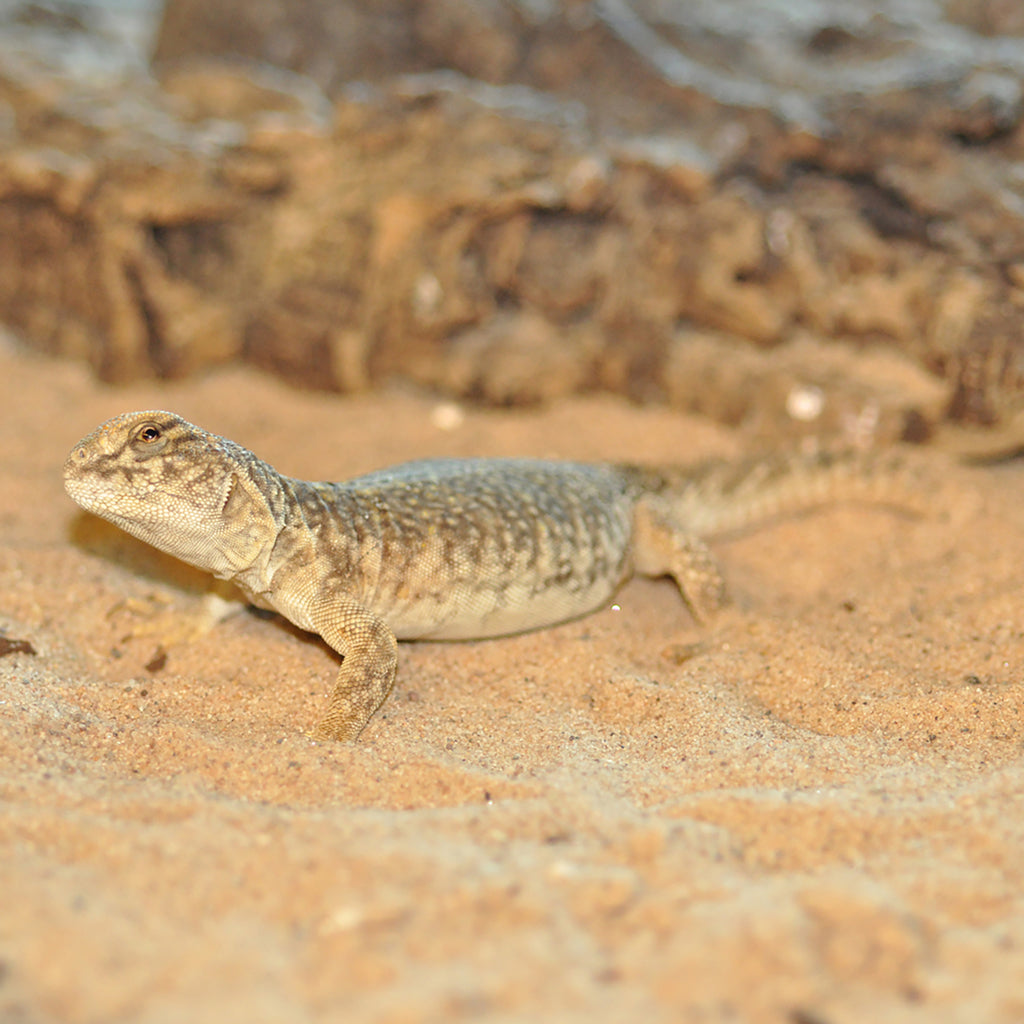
(88,496)
(81,491)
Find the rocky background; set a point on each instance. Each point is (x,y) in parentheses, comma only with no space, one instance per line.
(792,216)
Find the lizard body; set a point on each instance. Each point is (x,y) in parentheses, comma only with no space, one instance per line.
(437,549)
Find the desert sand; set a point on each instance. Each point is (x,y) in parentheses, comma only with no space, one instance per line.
(809,811)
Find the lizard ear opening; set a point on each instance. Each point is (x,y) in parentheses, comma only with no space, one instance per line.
(239,502)
(232,503)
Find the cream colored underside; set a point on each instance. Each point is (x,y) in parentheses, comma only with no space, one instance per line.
(466,613)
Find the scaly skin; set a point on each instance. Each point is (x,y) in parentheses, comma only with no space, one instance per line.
(440,549)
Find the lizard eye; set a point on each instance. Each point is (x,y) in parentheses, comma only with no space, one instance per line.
(148,439)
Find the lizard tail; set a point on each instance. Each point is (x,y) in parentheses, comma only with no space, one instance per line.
(715,497)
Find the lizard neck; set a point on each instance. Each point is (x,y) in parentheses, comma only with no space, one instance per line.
(254,512)
(306,534)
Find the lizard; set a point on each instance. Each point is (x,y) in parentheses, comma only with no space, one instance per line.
(437,549)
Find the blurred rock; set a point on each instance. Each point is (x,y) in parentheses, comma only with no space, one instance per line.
(858,394)
(589,199)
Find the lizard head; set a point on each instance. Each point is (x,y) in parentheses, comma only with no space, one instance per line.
(172,484)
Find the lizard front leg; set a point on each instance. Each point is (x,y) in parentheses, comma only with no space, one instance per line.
(370,652)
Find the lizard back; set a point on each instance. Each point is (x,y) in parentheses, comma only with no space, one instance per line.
(460,548)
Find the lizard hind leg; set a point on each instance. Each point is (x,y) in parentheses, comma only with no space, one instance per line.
(663,547)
